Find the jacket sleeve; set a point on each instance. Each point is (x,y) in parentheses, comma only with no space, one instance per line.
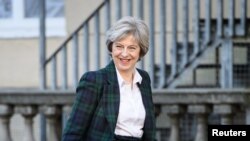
(83,108)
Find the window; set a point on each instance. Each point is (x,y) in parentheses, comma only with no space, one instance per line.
(5,9)
(20,18)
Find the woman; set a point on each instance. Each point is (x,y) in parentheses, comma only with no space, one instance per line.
(115,103)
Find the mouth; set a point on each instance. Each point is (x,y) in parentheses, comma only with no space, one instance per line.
(124,60)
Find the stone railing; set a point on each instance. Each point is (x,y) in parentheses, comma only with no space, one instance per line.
(173,103)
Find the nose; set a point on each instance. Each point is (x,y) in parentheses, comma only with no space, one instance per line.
(124,52)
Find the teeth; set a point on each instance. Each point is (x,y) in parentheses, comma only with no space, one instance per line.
(125,60)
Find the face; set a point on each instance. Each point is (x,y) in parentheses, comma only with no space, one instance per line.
(125,53)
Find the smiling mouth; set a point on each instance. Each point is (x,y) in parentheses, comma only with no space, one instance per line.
(124,60)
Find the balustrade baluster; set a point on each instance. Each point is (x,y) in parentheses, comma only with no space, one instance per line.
(201,112)
(174,112)
(227,112)
(175,131)
(66,112)
(52,114)
(6,112)
(28,112)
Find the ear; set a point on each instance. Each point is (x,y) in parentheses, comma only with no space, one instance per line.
(139,59)
(110,46)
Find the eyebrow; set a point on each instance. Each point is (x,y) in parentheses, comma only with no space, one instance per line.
(123,45)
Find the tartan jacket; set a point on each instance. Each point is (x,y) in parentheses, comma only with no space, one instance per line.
(95,109)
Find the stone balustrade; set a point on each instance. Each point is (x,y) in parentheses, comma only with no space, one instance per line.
(172,103)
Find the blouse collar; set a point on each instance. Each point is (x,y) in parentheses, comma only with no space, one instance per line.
(136,79)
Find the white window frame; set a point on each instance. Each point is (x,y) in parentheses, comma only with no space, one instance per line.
(20,27)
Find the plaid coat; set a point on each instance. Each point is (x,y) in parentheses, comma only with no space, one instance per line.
(95,110)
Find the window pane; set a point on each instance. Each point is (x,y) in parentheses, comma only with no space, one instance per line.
(5,8)
(54,8)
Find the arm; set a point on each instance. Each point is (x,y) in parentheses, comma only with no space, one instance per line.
(83,108)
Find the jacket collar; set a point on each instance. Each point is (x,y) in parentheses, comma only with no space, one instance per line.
(111,95)
(110,73)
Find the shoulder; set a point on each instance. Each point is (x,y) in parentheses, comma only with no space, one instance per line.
(144,74)
(92,78)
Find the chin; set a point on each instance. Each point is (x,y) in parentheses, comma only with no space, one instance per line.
(124,68)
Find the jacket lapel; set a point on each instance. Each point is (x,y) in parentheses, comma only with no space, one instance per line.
(146,97)
(111,95)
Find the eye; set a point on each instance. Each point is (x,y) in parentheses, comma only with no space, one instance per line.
(119,47)
(131,48)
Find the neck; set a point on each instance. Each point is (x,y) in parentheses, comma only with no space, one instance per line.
(127,76)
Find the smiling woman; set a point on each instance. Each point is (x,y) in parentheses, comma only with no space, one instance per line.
(115,103)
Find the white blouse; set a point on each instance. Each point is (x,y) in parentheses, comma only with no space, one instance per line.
(132,113)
